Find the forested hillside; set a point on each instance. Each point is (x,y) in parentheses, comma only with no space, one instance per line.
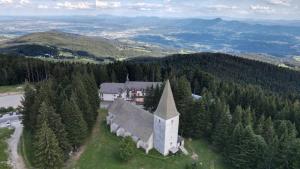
(249,111)
(230,68)
(58,114)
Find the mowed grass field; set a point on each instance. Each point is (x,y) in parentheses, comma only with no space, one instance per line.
(103,147)
(4,135)
(12,88)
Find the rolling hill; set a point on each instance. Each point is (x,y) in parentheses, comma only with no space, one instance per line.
(62,45)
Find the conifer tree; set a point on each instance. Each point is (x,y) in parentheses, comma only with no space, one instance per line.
(47,113)
(223,129)
(75,125)
(82,100)
(92,91)
(27,105)
(235,146)
(183,99)
(237,115)
(48,154)
(200,118)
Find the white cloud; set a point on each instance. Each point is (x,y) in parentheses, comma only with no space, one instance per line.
(6,2)
(262,9)
(146,6)
(107,4)
(42,7)
(280,2)
(222,7)
(73,5)
(24,2)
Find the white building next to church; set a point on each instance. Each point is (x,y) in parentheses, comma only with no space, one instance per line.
(158,130)
(132,91)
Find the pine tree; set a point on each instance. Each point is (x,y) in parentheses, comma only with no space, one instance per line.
(253,150)
(48,154)
(92,91)
(259,129)
(237,115)
(47,113)
(74,123)
(223,129)
(27,105)
(82,100)
(235,147)
(183,99)
(200,118)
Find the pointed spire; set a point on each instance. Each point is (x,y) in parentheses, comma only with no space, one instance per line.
(166,108)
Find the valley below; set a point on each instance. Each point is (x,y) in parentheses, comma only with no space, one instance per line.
(103,39)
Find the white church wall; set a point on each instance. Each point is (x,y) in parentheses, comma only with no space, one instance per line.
(159,134)
(171,133)
(165,134)
(150,143)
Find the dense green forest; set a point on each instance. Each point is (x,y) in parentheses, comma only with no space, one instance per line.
(249,110)
(58,114)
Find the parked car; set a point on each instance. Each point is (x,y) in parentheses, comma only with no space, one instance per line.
(8,124)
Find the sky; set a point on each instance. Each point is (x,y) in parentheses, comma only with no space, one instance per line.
(253,9)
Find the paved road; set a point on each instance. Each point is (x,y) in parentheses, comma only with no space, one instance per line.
(9,118)
(15,159)
(13,100)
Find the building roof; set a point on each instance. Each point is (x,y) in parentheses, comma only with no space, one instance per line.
(115,88)
(140,85)
(196,97)
(133,119)
(112,88)
(166,108)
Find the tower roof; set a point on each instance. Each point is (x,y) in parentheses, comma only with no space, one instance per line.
(166,108)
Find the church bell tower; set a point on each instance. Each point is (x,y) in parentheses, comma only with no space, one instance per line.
(166,122)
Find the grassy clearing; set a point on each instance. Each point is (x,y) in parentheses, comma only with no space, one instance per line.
(4,135)
(102,153)
(12,88)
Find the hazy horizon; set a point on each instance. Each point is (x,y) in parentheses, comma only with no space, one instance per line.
(226,9)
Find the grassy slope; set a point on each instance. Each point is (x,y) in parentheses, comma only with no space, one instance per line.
(4,135)
(96,46)
(12,88)
(102,153)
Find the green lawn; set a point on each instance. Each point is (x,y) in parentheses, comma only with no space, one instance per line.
(12,88)
(102,153)
(4,135)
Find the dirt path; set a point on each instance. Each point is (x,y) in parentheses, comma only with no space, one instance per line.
(76,155)
(15,159)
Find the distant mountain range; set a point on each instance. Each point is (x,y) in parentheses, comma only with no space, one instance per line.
(279,40)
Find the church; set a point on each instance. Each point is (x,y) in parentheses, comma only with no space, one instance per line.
(158,130)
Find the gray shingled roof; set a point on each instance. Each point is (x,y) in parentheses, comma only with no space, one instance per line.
(141,85)
(133,119)
(166,108)
(115,88)
(112,88)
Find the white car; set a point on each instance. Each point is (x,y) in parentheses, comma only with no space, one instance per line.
(8,124)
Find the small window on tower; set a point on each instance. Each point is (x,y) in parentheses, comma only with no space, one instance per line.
(158,120)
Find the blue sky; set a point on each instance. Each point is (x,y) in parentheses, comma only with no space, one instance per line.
(254,9)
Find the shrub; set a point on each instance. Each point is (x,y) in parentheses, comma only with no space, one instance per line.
(126,150)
